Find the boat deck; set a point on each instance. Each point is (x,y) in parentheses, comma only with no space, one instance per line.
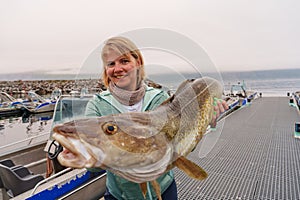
(255,157)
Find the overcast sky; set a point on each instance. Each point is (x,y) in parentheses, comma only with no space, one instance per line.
(58,35)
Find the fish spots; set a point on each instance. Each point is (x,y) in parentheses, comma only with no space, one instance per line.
(129,143)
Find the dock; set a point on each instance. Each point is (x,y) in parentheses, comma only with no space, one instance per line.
(255,157)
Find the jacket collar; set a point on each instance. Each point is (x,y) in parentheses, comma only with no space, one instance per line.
(149,95)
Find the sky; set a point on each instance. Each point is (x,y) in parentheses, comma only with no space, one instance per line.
(57,36)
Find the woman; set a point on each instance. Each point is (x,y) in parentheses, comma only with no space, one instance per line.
(124,76)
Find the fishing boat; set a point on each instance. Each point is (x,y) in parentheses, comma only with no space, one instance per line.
(9,105)
(240,90)
(296,96)
(35,103)
(56,93)
(84,92)
(57,181)
(232,102)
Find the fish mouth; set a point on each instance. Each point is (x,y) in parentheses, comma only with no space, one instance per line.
(75,153)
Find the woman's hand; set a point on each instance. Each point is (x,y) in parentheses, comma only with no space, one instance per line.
(220,106)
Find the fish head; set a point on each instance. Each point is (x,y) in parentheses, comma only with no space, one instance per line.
(119,142)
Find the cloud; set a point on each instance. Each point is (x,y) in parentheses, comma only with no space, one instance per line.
(55,35)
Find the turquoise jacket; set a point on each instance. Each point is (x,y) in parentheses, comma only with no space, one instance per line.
(105,104)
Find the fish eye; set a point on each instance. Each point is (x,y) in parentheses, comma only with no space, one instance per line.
(110,129)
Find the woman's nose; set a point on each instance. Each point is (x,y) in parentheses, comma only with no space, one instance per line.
(118,67)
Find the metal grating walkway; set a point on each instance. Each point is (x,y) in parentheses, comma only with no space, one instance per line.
(256,156)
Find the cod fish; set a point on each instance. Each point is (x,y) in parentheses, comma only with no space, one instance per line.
(141,146)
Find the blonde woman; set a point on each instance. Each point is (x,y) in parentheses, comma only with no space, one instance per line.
(124,75)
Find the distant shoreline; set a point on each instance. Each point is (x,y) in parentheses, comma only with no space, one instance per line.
(260,74)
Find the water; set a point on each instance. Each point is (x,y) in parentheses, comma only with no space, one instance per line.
(17,132)
(269,83)
(275,87)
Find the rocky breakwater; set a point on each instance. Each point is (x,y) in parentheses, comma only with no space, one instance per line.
(45,87)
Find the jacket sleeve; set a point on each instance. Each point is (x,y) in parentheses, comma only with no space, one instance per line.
(157,100)
(164,96)
(91,109)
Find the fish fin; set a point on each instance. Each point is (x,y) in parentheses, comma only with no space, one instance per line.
(180,88)
(190,168)
(156,188)
(143,187)
(183,86)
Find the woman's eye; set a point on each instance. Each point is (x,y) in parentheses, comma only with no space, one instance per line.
(110,64)
(125,61)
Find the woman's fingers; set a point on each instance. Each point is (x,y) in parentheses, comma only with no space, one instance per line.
(220,106)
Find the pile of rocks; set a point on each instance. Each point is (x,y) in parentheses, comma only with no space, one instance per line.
(44,87)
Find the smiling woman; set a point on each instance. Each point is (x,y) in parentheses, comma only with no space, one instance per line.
(123,75)
(121,70)
(122,65)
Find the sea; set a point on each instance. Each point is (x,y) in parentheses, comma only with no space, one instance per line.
(24,130)
(267,82)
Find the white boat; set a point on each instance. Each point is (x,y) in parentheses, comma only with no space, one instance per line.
(62,183)
(84,92)
(35,103)
(240,90)
(232,102)
(9,105)
(297,97)
(56,93)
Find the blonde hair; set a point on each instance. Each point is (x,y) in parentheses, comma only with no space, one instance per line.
(125,47)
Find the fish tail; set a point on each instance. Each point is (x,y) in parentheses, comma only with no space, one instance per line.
(143,187)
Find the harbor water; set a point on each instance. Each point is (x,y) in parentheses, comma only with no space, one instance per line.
(268,82)
(17,132)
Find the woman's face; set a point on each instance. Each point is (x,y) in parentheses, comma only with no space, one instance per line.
(122,70)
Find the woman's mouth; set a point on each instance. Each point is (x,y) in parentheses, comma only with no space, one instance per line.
(119,76)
